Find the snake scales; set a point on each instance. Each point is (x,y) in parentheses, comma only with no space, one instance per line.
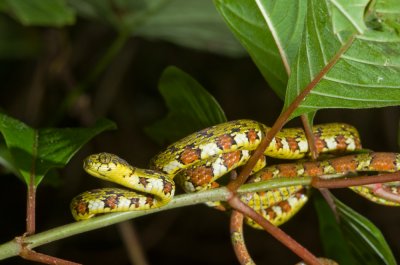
(198,161)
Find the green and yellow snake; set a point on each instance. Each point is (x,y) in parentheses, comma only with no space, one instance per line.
(199,160)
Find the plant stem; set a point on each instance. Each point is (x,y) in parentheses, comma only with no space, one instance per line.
(283,118)
(43,258)
(13,247)
(357,181)
(237,238)
(31,193)
(310,137)
(31,208)
(275,231)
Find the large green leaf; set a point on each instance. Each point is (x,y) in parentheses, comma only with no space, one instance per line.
(190,23)
(352,239)
(333,240)
(36,151)
(191,107)
(365,239)
(366,75)
(271,33)
(53,13)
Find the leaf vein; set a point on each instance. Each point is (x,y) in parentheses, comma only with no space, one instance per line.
(324,94)
(341,81)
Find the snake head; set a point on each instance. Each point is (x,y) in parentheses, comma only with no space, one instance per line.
(106,166)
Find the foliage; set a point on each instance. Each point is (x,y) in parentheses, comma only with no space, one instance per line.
(32,153)
(191,107)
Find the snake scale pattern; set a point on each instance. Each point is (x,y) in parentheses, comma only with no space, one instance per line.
(198,161)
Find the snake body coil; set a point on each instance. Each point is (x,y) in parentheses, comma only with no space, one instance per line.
(200,159)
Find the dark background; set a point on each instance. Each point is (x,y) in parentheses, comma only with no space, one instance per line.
(33,89)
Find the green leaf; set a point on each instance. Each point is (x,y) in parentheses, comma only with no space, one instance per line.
(189,23)
(53,13)
(271,33)
(366,75)
(333,240)
(7,161)
(37,151)
(366,240)
(191,107)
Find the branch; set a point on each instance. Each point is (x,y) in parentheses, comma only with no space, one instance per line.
(42,258)
(355,181)
(237,238)
(283,118)
(31,193)
(276,232)
(14,247)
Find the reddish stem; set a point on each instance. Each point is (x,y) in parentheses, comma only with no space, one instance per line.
(237,237)
(356,181)
(42,258)
(31,208)
(31,196)
(310,137)
(276,232)
(283,118)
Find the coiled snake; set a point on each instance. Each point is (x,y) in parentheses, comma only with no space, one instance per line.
(199,160)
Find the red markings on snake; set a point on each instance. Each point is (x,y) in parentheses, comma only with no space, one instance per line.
(190,155)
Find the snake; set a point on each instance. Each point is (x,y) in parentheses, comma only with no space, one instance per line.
(279,205)
(198,161)
(271,203)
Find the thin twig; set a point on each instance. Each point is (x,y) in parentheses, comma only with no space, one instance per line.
(132,243)
(237,238)
(310,137)
(43,258)
(31,209)
(31,193)
(276,232)
(326,194)
(234,185)
(354,181)
(283,118)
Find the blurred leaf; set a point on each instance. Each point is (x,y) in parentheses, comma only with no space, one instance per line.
(102,10)
(366,75)
(191,107)
(52,13)
(334,243)
(37,151)
(16,41)
(190,23)
(271,33)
